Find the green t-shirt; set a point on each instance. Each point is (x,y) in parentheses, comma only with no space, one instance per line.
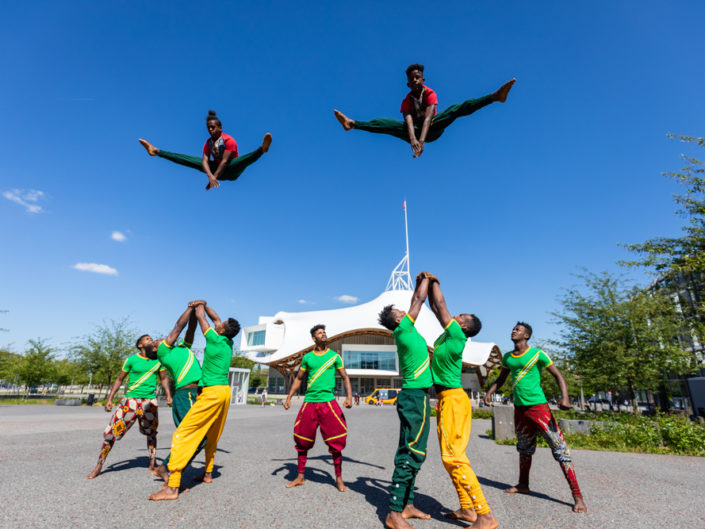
(412,350)
(321,375)
(142,376)
(447,364)
(180,362)
(216,359)
(526,375)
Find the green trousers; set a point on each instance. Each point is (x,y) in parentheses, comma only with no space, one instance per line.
(414,413)
(184,398)
(231,172)
(439,122)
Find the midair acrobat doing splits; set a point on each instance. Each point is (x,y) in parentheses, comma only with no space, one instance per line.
(221,147)
(421,123)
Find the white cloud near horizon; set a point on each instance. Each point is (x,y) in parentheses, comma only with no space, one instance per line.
(27,199)
(345,298)
(118,236)
(96,268)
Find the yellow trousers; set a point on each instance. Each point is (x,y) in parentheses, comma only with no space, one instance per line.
(206,418)
(454,418)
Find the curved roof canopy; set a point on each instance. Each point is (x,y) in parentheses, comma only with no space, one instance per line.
(296,337)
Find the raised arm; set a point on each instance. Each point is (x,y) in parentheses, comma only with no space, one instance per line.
(191,330)
(201,317)
(178,327)
(501,379)
(438,304)
(294,388)
(419,297)
(212,315)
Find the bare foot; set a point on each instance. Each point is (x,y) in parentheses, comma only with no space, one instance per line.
(519,489)
(579,504)
(344,120)
(485,521)
(207,477)
(412,512)
(339,484)
(152,465)
(96,471)
(467,515)
(297,482)
(502,92)
(151,149)
(266,142)
(395,520)
(162,472)
(166,493)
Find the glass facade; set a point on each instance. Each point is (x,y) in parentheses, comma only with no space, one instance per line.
(255,338)
(384,360)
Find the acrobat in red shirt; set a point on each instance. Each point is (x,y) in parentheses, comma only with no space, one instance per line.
(218,147)
(417,107)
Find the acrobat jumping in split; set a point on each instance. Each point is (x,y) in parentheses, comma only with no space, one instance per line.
(220,160)
(421,122)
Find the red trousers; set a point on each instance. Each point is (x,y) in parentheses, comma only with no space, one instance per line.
(334,430)
(538,419)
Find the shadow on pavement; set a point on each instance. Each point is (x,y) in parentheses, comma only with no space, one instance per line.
(376,492)
(534,494)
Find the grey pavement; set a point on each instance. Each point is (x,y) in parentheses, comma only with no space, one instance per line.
(46,451)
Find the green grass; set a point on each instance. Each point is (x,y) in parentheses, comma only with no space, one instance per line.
(664,434)
(7,402)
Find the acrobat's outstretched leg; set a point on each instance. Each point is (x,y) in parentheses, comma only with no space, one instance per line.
(388,126)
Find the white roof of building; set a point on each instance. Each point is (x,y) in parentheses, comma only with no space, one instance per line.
(296,326)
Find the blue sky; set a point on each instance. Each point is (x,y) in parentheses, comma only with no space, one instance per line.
(504,208)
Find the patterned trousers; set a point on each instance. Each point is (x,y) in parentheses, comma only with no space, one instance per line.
(334,430)
(531,420)
(126,414)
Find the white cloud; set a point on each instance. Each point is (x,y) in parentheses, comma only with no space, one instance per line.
(118,236)
(96,268)
(345,298)
(27,199)
(303,301)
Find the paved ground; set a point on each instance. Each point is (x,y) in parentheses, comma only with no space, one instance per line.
(45,452)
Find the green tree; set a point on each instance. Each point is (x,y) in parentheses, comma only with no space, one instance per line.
(239,359)
(104,351)
(618,336)
(70,372)
(9,364)
(37,364)
(681,260)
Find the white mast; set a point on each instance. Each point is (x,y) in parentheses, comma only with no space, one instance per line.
(400,279)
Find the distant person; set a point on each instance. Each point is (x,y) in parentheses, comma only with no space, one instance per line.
(139,404)
(207,416)
(421,122)
(320,409)
(264,397)
(454,416)
(221,147)
(413,406)
(185,371)
(531,412)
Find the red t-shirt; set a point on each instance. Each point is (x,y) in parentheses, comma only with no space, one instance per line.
(218,147)
(417,109)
